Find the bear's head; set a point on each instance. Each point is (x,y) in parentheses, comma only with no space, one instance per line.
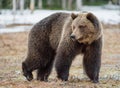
(86,28)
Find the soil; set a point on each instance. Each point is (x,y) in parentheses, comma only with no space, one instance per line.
(13,49)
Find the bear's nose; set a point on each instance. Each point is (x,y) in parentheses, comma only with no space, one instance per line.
(72,37)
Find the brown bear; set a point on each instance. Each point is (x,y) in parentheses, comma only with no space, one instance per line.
(58,39)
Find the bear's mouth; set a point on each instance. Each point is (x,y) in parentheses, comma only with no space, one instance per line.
(80,39)
(73,39)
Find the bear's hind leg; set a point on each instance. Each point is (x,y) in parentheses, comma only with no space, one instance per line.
(43,73)
(40,74)
(46,67)
(27,73)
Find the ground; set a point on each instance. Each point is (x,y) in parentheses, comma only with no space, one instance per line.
(13,49)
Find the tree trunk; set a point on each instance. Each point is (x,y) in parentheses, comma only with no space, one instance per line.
(40,4)
(21,6)
(64,4)
(69,4)
(78,4)
(91,1)
(17,4)
(49,3)
(1,4)
(14,6)
(32,3)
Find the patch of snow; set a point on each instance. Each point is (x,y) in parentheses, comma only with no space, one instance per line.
(112,7)
(7,17)
(106,16)
(15,29)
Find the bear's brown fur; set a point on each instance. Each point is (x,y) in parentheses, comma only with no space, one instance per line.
(53,39)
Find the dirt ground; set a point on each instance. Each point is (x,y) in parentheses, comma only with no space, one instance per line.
(13,49)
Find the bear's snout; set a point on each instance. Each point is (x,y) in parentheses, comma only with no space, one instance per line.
(72,37)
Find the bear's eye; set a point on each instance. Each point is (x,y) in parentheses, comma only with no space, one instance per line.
(82,28)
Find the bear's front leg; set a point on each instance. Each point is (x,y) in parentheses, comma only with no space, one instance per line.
(92,60)
(63,60)
(62,65)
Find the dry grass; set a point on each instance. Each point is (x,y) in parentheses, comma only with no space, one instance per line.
(13,48)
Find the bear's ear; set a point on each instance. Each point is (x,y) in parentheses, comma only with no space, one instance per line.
(93,19)
(73,16)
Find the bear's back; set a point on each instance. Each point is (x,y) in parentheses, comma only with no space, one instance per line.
(51,22)
(48,31)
